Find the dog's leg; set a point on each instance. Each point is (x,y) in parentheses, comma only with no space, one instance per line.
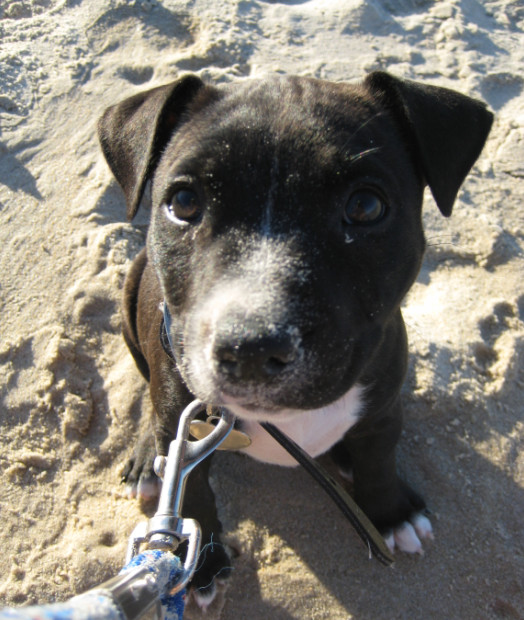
(214,565)
(138,473)
(396,510)
(170,396)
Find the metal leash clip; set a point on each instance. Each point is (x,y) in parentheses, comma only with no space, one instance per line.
(167,528)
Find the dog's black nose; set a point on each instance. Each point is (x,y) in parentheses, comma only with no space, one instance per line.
(243,353)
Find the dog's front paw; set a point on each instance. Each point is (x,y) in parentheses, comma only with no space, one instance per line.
(408,535)
(138,474)
(208,586)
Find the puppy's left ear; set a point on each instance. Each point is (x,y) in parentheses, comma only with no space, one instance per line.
(134,132)
(447,130)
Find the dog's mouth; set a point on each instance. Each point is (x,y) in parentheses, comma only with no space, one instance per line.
(257,412)
(304,382)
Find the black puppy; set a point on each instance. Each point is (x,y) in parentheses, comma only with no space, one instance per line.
(285,232)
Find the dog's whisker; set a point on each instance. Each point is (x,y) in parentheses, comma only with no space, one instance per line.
(359,156)
(348,144)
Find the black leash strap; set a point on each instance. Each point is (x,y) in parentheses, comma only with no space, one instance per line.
(363,526)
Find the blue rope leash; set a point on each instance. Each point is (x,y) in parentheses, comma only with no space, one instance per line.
(152,573)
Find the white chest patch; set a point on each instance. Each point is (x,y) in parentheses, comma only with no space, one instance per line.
(315,431)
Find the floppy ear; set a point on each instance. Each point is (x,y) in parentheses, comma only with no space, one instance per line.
(447,130)
(134,132)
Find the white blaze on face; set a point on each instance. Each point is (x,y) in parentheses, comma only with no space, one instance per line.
(256,291)
(270,203)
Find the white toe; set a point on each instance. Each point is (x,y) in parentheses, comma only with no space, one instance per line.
(204,600)
(130,490)
(422,527)
(148,488)
(390,542)
(406,539)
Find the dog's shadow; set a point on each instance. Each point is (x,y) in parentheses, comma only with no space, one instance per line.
(287,528)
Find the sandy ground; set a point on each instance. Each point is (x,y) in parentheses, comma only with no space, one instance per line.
(71,398)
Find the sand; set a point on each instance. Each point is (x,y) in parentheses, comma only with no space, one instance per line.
(71,399)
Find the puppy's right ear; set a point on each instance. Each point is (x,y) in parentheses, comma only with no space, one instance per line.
(134,132)
(446,129)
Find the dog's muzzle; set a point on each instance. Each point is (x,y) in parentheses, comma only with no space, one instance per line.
(246,349)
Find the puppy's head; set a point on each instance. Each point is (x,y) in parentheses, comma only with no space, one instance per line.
(286,224)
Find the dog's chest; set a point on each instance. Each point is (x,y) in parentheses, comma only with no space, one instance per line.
(315,431)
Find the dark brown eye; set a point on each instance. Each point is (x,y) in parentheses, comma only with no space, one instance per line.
(364,207)
(184,206)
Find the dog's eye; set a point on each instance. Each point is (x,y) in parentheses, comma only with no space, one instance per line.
(184,206)
(364,207)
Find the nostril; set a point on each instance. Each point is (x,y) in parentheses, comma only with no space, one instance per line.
(228,362)
(275,365)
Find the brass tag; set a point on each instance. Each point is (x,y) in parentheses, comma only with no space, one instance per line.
(236,440)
